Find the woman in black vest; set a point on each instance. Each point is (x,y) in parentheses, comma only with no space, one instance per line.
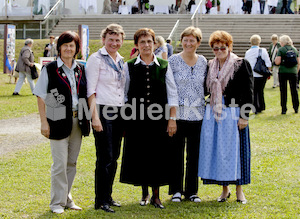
(151,110)
(62,87)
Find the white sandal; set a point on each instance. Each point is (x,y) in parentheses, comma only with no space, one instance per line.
(194,198)
(176,197)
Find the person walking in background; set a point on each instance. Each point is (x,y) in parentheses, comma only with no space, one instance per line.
(262,4)
(272,51)
(63,83)
(225,141)
(259,80)
(289,10)
(48,47)
(284,7)
(134,53)
(53,52)
(191,2)
(105,90)
(115,6)
(161,50)
(189,70)
(169,47)
(248,6)
(25,61)
(287,72)
(149,85)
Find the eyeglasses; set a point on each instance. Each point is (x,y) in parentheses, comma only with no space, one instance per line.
(223,48)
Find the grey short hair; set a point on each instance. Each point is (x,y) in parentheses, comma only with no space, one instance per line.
(28,41)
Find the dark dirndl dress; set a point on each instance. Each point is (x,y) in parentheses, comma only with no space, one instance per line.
(146,148)
(145,154)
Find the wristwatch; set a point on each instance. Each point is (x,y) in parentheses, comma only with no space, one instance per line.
(173,118)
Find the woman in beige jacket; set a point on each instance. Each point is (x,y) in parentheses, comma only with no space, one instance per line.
(25,61)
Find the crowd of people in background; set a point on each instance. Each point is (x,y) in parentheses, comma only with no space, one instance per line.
(221,6)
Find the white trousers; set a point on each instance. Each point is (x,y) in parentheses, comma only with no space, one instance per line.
(64,154)
(275,70)
(21,79)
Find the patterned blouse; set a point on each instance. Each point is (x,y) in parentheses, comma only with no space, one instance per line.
(190,85)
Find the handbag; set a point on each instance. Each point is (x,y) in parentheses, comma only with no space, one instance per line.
(260,66)
(244,8)
(34,74)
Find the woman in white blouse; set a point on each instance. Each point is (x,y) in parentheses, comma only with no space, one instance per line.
(259,81)
(105,91)
(189,71)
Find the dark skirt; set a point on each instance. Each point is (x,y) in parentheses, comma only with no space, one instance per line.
(146,153)
(245,154)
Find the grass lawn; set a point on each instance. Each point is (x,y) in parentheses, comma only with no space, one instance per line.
(273,193)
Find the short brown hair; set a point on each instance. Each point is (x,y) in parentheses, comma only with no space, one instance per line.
(52,37)
(143,32)
(221,36)
(67,37)
(194,31)
(113,29)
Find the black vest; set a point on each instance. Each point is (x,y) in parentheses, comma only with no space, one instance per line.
(62,128)
(147,84)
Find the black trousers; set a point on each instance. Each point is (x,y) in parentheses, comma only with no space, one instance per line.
(292,78)
(188,134)
(249,6)
(108,143)
(259,99)
(284,7)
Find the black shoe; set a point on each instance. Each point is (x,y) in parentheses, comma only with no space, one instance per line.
(296,110)
(106,208)
(283,112)
(156,205)
(113,203)
(224,199)
(15,93)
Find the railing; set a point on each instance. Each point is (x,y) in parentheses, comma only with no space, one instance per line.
(52,18)
(174,33)
(197,14)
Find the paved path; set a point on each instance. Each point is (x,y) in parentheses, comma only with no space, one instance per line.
(20,133)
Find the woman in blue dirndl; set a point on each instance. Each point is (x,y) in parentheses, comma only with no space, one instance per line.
(225,143)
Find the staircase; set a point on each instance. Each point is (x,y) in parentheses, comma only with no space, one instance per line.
(241,27)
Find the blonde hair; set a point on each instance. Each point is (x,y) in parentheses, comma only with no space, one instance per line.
(113,29)
(255,40)
(194,31)
(286,40)
(221,36)
(160,40)
(274,37)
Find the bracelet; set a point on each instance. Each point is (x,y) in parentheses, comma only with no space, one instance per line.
(173,118)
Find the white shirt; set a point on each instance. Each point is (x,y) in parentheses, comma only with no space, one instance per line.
(170,82)
(252,54)
(41,86)
(102,80)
